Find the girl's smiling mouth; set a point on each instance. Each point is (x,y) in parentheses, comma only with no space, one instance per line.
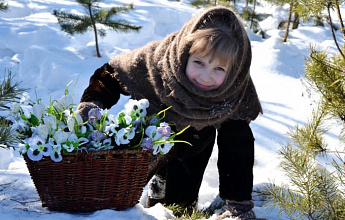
(203,87)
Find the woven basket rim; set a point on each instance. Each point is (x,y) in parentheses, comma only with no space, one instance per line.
(94,155)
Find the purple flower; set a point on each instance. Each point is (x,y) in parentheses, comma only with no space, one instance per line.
(147,144)
(97,136)
(164,129)
(153,121)
(94,114)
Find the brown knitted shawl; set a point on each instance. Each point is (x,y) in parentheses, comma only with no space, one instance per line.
(157,72)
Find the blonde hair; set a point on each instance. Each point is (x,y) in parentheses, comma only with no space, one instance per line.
(220,42)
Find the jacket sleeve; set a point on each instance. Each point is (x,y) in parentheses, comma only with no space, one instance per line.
(103,88)
(235,160)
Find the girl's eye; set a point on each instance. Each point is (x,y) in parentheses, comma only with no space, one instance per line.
(220,69)
(198,62)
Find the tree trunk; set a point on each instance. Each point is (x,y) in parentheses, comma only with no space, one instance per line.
(94,29)
(295,22)
(252,16)
(340,19)
(246,7)
(288,24)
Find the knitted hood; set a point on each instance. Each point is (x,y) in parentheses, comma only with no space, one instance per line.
(157,72)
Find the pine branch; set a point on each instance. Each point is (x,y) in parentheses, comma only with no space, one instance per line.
(328,188)
(328,80)
(71,23)
(8,137)
(309,137)
(122,26)
(302,171)
(9,91)
(287,200)
(105,17)
(326,63)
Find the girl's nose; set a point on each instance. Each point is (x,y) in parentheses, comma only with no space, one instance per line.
(205,76)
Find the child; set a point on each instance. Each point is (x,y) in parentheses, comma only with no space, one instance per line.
(202,71)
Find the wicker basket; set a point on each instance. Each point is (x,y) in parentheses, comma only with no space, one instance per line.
(91,181)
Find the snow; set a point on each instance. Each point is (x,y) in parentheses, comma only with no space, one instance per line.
(45,59)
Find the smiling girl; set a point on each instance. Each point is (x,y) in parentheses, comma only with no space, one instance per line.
(202,71)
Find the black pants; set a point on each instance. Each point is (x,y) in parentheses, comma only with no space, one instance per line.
(184,173)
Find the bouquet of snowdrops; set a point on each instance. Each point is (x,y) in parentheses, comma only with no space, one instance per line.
(55,130)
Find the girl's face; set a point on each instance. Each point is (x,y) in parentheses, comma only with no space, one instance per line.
(204,74)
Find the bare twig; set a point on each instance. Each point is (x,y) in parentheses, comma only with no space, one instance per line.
(6,185)
(333,35)
(24,203)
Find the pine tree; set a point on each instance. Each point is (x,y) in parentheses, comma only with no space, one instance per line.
(3,6)
(303,9)
(316,192)
(94,20)
(9,92)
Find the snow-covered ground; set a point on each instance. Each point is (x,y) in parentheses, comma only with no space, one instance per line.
(45,59)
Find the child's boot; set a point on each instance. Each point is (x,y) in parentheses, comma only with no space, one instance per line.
(156,191)
(239,210)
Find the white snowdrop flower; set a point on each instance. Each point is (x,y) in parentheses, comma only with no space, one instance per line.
(70,124)
(83,129)
(124,135)
(128,119)
(22,148)
(63,102)
(104,111)
(14,108)
(27,110)
(38,110)
(110,129)
(25,98)
(67,113)
(113,119)
(50,120)
(42,131)
(73,137)
(79,119)
(61,136)
(19,125)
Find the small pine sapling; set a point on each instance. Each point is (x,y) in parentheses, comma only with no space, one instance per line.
(95,19)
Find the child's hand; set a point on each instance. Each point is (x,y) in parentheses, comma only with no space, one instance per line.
(84,108)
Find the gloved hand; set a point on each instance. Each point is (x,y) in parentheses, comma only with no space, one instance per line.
(84,108)
(238,210)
